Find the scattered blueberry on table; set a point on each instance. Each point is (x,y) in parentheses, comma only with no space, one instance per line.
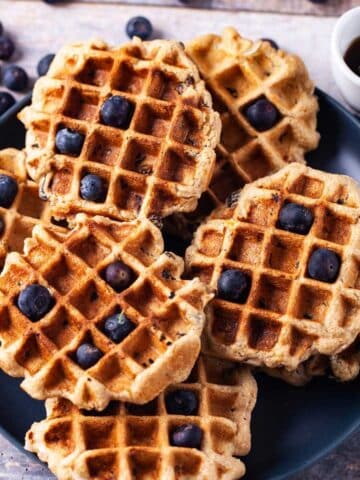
(139,27)
(87,355)
(7,47)
(272,42)
(44,64)
(93,188)
(118,326)
(35,301)
(15,78)
(6,101)
(69,142)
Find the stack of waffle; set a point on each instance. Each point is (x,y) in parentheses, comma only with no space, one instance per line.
(145,361)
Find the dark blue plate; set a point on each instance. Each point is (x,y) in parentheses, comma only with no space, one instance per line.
(292,427)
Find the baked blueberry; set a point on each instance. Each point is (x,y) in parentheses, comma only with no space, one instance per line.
(118,327)
(234,285)
(272,42)
(15,78)
(324,265)
(69,142)
(7,47)
(8,191)
(93,188)
(87,355)
(295,218)
(6,102)
(117,112)
(118,275)
(35,301)
(187,435)
(181,402)
(44,64)
(139,27)
(262,114)
(2,225)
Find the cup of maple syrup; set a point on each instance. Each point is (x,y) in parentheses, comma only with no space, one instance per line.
(345,56)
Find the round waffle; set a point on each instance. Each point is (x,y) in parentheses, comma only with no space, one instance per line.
(130,442)
(160,164)
(237,72)
(287,316)
(27,209)
(167,314)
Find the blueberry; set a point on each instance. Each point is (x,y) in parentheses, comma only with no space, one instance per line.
(318,1)
(93,188)
(8,191)
(87,355)
(118,275)
(234,285)
(181,402)
(6,102)
(139,27)
(15,78)
(272,43)
(69,142)
(187,435)
(117,112)
(7,47)
(44,64)
(295,218)
(35,301)
(52,2)
(262,114)
(2,226)
(324,265)
(118,327)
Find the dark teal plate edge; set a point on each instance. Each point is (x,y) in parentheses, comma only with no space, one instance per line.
(320,454)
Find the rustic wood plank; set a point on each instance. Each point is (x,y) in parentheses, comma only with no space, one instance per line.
(331,7)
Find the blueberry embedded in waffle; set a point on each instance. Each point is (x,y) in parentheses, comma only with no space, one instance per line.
(191,431)
(284,261)
(20,206)
(99,313)
(267,107)
(136,119)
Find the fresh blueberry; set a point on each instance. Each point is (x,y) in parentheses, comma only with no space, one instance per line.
(44,64)
(272,42)
(8,191)
(35,301)
(2,226)
(318,1)
(15,78)
(118,275)
(187,436)
(295,218)
(324,265)
(6,102)
(234,285)
(69,142)
(87,355)
(139,27)
(262,114)
(93,188)
(118,327)
(117,112)
(52,2)
(181,402)
(7,47)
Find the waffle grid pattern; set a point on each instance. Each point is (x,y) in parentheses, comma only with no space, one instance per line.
(160,164)
(128,441)
(167,311)
(26,211)
(288,316)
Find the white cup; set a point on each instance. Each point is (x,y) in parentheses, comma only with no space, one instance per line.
(347,28)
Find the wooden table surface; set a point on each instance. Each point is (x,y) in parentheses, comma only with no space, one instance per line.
(301,27)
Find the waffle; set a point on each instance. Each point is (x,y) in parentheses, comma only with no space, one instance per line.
(26,211)
(132,443)
(237,72)
(287,317)
(167,313)
(159,165)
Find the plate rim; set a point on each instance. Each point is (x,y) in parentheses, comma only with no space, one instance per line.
(355,120)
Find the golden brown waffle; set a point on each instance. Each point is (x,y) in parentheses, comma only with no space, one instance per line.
(128,442)
(287,317)
(167,313)
(159,165)
(237,72)
(26,211)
